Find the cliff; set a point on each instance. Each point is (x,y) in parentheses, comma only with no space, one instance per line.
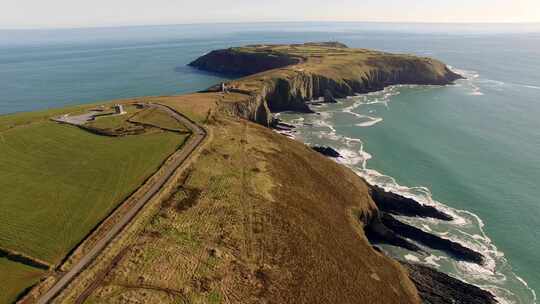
(288,76)
(284,77)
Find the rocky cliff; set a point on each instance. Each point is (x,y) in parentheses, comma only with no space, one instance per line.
(284,77)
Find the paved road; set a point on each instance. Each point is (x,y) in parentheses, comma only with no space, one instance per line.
(182,155)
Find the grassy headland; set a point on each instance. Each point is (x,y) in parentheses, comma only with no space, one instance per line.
(258,218)
(315,70)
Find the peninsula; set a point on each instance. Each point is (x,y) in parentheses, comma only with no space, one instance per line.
(247,215)
(284,77)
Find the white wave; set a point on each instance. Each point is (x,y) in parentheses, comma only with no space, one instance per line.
(468,74)
(412,258)
(350,157)
(432,260)
(373,121)
(476,93)
(527,285)
(323,122)
(426,228)
(492,82)
(475,90)
(530,87)
(368,120)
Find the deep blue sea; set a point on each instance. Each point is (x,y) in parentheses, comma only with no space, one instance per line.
(472,148)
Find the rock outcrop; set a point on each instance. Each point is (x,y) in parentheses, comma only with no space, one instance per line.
(436,287)
(378,233)
(399,205)
(433,241)
(327,151)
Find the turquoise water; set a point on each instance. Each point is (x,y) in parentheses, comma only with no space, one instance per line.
(472,148)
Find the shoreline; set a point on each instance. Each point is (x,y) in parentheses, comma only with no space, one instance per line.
(297,86)
(371,175)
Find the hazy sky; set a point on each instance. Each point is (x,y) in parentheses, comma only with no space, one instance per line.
(77,13)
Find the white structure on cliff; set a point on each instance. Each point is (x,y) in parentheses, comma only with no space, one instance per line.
(119,109)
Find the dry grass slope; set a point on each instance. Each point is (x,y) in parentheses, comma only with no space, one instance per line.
(258,219)
(158,118)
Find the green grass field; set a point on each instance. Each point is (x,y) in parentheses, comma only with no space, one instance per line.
(15,277)
(158,118)
(59,181)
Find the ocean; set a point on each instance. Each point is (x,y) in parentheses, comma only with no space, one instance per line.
(472,148)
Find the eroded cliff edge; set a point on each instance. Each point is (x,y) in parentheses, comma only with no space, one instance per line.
(285,77)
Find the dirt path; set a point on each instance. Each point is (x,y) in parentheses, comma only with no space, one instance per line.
(182,155)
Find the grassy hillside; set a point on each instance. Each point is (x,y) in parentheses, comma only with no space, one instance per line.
(16,277)
(158,118)
(258,218)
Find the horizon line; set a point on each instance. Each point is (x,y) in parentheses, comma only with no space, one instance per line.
(270,22)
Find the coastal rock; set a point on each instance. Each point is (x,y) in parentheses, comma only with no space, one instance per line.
(454,249)
(326,151)
(329,97)
(436,287)
(283,127)
(400,205)
(378,233)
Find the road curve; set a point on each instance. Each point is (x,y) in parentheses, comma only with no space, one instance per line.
(199,134)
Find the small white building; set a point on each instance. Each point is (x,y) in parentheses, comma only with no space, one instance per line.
(119,109)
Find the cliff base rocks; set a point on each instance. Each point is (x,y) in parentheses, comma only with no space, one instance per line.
(327,151)
(399,205)
(454,249)
(435,287)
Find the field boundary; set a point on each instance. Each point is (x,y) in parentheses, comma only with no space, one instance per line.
(22,258)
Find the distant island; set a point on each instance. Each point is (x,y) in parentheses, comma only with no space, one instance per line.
(235,213)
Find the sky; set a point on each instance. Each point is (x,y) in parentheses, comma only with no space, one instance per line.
(98,13)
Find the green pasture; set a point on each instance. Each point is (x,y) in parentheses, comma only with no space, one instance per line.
(16,277)
(59,181)
(158,118)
